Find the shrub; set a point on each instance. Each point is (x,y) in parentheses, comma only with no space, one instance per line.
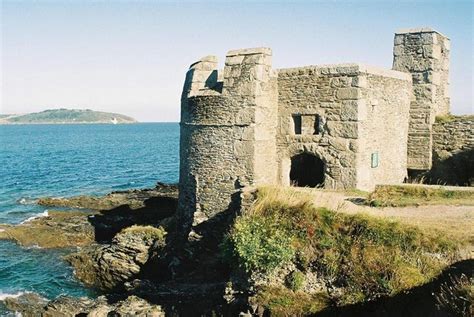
(295,280)
(258,244)
(445,118)
(146,232)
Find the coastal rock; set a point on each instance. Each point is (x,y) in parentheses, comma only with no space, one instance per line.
(107,215)
(28,304)
(32,305)
(55,229)
(133,198)
(109,266)
(118,210)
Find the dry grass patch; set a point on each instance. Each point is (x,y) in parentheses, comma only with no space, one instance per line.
(410,195)
(145,232)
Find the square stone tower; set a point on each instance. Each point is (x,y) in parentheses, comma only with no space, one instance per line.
(424,53)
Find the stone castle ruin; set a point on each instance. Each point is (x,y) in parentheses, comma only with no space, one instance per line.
(334,126)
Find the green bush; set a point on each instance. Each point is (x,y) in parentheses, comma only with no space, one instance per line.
(295,280)
(258,244)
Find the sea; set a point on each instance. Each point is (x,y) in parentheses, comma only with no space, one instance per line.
(67,160)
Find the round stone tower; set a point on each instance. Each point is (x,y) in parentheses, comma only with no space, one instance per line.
(228,133)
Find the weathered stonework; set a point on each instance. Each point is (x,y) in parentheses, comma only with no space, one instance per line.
(338,126)
(425,54)
(343,98)
(228,132)
(453,152)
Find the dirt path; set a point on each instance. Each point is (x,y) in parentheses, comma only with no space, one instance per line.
(455,221)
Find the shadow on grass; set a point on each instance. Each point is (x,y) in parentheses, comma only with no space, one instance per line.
(419,301)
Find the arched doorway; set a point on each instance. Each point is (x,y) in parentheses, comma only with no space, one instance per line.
(307,170)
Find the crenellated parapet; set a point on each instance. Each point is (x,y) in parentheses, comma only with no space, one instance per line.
(228,128)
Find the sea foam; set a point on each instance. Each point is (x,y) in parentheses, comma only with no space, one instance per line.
(4,296)
(40,215)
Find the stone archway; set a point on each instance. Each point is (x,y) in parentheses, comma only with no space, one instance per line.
(307,170)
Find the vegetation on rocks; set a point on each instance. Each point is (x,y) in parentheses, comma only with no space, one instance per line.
(281,301)
(356,257)
(408,195)
(450,117)
(295,280)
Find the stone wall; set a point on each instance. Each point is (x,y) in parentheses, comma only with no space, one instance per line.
(383,131)
(425,54)
(453,152)
(228,131)
(323,93)
(340,98)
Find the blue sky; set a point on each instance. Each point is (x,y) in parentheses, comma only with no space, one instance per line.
(131,56)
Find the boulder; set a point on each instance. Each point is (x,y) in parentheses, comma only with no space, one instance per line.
(32,305)
(109,266)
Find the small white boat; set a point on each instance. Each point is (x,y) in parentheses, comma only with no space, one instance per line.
(114,121)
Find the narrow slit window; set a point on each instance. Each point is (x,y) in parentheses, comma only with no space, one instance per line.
(297,123)
(317,125)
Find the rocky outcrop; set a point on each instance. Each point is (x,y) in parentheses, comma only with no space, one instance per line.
(55,229)
(28,304)
(109,266)
(32,305)
(104,218)
(133,198)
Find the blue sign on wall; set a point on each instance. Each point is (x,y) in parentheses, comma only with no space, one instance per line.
(375,159)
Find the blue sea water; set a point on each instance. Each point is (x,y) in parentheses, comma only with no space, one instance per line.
(68,160)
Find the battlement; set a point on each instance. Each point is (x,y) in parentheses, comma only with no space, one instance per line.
(251,65)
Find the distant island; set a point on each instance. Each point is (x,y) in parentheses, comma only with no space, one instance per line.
(65,116)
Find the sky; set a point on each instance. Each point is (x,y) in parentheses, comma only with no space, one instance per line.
(131,57)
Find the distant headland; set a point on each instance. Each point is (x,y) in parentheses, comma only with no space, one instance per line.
(65,116)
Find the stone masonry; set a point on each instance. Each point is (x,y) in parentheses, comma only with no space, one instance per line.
(453,152)
(425,54)
(228,129)
(337,126)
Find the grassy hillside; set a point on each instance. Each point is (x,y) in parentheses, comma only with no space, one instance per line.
(67,116)
(318,258)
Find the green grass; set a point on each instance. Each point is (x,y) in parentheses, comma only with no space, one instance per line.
(146,232)
(411,195)
(295,280)
(364,257)
(284,302)
(449,118)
